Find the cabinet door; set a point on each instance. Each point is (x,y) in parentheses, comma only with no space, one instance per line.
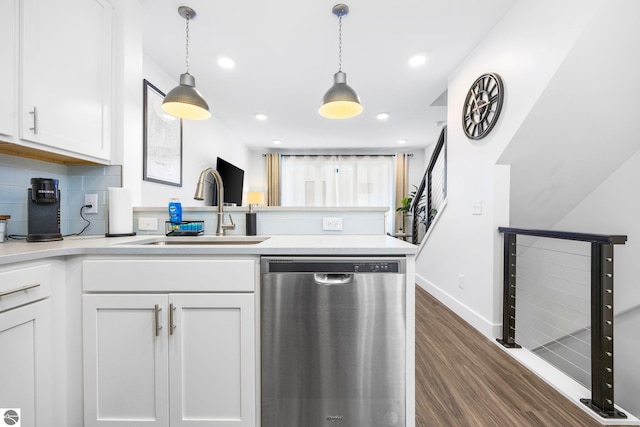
(125,360)
(212,360)
(8,43)
(66,75)
(25,364)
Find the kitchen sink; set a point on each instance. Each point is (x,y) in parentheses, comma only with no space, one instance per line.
(201,241)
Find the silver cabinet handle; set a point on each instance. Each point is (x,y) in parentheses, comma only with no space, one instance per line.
(21,289)
(171,325)
(156,312)
(34,113)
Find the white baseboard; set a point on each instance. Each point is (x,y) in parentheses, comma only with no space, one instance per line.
(487,328)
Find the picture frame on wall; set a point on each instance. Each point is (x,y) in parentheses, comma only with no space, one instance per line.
(162,140)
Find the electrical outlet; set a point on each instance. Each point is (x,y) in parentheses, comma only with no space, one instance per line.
(461,281)
(332,223)
(91,199)
(148,224)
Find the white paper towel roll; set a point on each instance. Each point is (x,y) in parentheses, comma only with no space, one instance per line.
(120,211)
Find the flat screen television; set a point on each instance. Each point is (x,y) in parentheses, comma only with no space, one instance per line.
(232,180)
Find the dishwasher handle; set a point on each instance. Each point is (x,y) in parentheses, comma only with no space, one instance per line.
(332,278)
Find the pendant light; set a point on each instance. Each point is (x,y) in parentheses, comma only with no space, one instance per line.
(185,101)
(340,101)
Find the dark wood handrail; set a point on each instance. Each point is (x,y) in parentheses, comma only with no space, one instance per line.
(425,184)
(613,239)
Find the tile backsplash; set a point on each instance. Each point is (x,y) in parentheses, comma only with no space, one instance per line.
(75,182)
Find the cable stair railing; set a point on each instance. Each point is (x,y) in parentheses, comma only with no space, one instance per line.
(431,194)
(564,309)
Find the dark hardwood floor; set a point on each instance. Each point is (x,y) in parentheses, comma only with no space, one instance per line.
(463,379)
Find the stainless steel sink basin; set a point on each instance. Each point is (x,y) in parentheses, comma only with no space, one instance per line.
(202,241)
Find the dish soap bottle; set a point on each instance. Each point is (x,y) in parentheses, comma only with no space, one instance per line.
(175,211)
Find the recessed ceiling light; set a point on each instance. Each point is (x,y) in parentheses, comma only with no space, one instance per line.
(261,117)
(226,62)
(382,116)
(417,60)
(402,141)
(276,142)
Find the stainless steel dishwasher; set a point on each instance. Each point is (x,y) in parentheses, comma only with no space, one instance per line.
(333,342)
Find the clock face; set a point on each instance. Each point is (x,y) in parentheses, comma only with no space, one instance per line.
(482,106)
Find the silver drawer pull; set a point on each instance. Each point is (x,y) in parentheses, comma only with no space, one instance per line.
(34,113)
(171,324)
(21,289)
(156,312)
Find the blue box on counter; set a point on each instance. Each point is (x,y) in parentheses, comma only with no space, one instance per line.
(185,228)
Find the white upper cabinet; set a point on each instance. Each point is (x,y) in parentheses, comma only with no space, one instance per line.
(66,76)
(8,50)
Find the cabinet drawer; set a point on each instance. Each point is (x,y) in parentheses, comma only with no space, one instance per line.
(24,285)
(174,275)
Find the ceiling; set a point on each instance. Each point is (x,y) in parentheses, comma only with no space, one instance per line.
(286,53)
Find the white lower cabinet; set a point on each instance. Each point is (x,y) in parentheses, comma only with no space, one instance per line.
(25,344)
(126,378)
(169,359)
(25,370)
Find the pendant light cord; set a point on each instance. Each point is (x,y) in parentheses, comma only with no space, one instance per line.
(187,47)
(340,42)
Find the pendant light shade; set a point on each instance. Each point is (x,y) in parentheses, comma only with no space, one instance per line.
(340,101)
(185,101)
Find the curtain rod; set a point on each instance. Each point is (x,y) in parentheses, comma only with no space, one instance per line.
(339,155)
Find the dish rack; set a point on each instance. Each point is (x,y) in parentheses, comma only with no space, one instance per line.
(185,228)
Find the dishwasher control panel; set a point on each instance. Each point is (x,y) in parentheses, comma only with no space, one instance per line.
(376,267)
(339,265)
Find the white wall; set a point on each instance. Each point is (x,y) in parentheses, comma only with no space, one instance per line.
(525,48)
(127,131)
(203,141)
(583,126)
(614,208)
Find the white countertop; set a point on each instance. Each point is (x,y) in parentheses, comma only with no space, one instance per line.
(262,208)
(17,251)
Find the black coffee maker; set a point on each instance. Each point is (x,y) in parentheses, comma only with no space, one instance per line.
(44,210)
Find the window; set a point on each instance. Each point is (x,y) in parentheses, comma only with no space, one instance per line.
(337,181)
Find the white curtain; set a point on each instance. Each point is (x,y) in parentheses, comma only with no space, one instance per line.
(338,181)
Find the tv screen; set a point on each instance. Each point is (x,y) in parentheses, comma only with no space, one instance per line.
(232,180)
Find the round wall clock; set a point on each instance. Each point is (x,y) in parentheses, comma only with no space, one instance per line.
(482,106)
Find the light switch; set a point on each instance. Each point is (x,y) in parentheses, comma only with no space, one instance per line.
(477,207)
